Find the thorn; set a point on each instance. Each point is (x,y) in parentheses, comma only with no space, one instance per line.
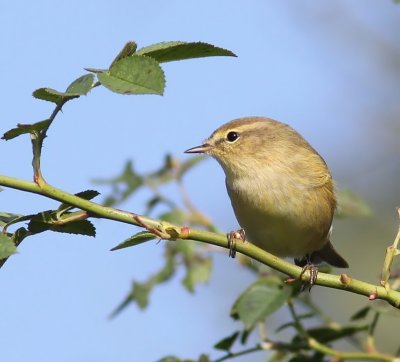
(373,296)
(185,232)
(290,280)
(345,279)
(153,230)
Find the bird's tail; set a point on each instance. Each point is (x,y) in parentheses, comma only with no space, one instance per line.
(331,256)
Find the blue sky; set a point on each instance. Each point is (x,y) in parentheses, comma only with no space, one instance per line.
(320,66)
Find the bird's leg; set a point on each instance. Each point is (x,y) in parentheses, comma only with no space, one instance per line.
(307,265)
(233,236)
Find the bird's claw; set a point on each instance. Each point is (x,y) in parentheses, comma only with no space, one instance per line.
(313,270)
(233,236)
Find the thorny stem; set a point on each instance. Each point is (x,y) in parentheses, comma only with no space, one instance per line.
(343,281)
(339,355)
(37,139)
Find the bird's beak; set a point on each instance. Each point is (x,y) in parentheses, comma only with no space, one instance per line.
(204,148)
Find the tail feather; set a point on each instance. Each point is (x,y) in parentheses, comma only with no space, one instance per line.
(331,256)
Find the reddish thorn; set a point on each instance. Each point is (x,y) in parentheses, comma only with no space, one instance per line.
(35,178)
(373,296)
(185,230)
(290,280)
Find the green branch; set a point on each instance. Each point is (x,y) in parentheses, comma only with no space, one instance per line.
(170,231)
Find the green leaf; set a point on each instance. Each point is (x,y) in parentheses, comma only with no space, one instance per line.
(350,204)
(6,218)
(331,334)
(81,86)
(260,300)
(227,343)
(79,227)
(96,70)
(141,293)
(52,95)
(128,50)
(136,239)
(26,128)
(124,185)
(360,314)
(87,195)
(198,271)
(136,74)
(7,247)
(78,87)
(178,50)
(245,335)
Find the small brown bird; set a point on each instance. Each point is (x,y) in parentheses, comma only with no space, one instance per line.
(281,189)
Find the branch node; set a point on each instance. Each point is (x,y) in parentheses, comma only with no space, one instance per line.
(185,232)
(153,230)
(345,280)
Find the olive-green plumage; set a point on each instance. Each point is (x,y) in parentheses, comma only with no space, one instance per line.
(280,187)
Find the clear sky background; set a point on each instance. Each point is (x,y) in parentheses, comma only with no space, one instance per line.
(331,69)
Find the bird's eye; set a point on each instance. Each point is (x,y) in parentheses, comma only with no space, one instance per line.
(232,136)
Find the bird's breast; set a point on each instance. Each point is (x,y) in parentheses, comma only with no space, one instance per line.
(280,215)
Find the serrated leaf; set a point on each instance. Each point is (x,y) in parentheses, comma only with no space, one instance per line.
(136,239)
(26,128)
(52,95)
(360,314)
(79,227)
(198,271)
(351,204)
(128,50)
(136,74)
(7,247)
(260,300)
(178,50)
(226,343)
(81,86)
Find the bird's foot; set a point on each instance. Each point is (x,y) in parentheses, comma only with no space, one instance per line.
(233,236)
(307,264)
(313,270)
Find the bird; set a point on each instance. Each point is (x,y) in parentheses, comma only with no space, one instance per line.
(281,190)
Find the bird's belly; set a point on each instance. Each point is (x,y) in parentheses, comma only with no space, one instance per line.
(280,225)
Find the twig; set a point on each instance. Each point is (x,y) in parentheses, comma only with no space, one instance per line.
(343,282)
(391,252)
